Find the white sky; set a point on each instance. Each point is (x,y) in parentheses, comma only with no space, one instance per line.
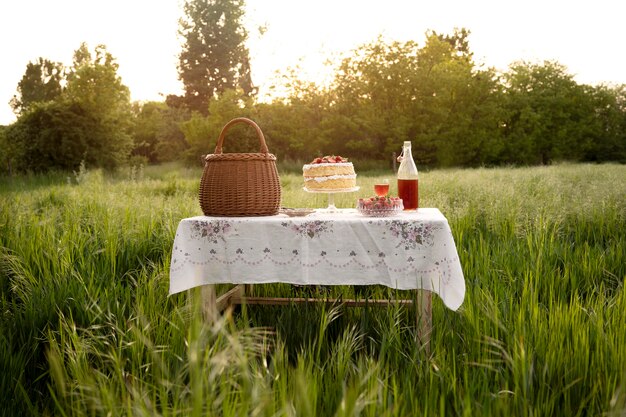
(585,36)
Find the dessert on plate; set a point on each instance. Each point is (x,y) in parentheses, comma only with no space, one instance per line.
(329,173)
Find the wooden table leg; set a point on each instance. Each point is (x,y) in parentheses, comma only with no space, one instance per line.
(233,296)
(208,302)
(212,305)
(424,317)
(248,289)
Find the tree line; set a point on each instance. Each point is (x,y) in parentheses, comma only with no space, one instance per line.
(455,112)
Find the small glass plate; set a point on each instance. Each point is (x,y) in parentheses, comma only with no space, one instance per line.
(384,208)
(380,212)
(295,212)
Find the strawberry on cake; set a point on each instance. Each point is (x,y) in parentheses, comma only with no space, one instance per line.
(329,173)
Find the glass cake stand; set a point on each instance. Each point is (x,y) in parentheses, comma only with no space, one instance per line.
(331,197)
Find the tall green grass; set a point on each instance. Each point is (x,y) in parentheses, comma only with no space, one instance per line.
(87,326)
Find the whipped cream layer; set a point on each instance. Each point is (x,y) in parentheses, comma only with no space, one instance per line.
(331,177)
(307,167)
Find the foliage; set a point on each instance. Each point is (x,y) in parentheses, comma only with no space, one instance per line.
(94,83)
(606,130)
(291,130)
(171,142)
(146,127)
(9,155)
(41,83)
(214,57)
(297,129)
(375,91)
(456,112)
(87,326)
(464,106)
(61,134)
(547,114)
(90,120)
(156,131)
(386,93)
(202,133)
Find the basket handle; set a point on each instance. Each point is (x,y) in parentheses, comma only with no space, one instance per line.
(220,140)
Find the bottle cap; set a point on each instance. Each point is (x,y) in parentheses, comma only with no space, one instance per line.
(407,143)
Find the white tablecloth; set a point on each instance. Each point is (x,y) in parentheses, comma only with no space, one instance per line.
(412,250)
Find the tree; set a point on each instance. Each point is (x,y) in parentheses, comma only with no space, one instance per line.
(10,152)
(52,135)
(214,57)
(89,121)
(296,129)
(460,104)
(548,114)
(375,92)
(41,83)
(434,96)
(459,40)
(606,130)
(171,142)
(297,126)
(156,132)
(145,129)
(94,85)
(62,134)
(201,133)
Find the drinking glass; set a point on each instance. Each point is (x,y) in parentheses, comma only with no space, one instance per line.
(381,188)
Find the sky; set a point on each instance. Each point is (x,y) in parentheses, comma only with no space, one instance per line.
(585,36)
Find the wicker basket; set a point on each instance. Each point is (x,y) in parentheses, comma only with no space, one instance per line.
(240,184)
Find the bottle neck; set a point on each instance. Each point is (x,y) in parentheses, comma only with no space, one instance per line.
(407,169)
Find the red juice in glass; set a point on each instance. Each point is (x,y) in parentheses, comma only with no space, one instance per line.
(408,192)
(381,190)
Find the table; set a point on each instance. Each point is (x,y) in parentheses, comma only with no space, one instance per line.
(409,251)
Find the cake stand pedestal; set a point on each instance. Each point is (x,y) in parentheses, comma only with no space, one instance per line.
(331,197)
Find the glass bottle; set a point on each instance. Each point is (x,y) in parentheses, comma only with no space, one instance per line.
(408,179)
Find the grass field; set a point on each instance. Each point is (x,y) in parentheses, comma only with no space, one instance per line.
(87,326)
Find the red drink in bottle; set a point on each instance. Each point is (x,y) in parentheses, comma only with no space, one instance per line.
(407,179)
(408,192)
